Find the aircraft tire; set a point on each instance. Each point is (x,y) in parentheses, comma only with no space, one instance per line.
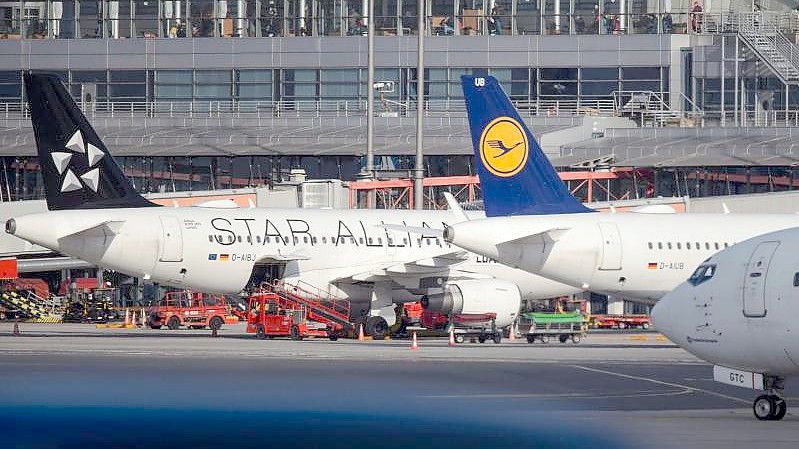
(782,408)
(376,327)
(173,323)
(765,407)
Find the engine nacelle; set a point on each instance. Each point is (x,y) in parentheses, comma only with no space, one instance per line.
(477,296)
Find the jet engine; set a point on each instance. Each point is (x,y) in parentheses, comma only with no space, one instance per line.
(477,296)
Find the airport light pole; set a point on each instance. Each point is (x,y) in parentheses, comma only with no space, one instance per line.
(370,101)
(418,170)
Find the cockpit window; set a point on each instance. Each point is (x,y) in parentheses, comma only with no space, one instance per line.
(702,274)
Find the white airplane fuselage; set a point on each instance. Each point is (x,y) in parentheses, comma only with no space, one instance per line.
(635,255)
(216,249)
(744,315)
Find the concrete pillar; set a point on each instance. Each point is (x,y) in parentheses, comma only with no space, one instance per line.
(615,305)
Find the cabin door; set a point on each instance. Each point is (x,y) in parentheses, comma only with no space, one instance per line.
(754,291)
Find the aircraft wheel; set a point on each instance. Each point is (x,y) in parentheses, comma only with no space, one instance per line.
(173,323)
(459,338)
(531,339)
(497,338)
(563,338)
(545,339)
(376,327)
(782,408)
(765,407)
(260,332)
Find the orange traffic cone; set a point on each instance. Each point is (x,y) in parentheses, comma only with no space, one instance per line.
(16,329)
(512,332)
(414,343)
(451,336)
(361,336)
(127,317)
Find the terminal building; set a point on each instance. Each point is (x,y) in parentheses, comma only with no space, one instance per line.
(642,98)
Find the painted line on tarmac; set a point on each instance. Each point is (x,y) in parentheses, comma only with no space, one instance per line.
(660,382)
(640,394)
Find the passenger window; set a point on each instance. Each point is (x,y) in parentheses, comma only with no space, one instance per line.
(380,241)
(717,245)
(669,245)
(707,245)
(305,240)
(258,238)
(249,239)
(230,239)
(210,238)
(267,239)
(704,273)
(324,239)
(296,240)
(390,242)
(679,245)
(650,245)
(238,238)
(360,240)
(313,240)
(352,240)
(726,244)
(796,279)
(660,245)
(687,245)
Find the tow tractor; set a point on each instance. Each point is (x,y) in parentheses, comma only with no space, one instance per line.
(279,315)
(192,309)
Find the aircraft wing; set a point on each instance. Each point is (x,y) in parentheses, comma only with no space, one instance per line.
(404,272)
(103,229)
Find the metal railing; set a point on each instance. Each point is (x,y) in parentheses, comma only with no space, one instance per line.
(320,108)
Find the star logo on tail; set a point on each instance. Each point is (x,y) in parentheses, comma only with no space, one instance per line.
(77,147)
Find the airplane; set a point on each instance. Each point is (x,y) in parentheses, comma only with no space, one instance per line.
(96,215)
(738,311)
(534,223)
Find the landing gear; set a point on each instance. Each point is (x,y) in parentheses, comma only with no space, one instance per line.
(771,407)
(376,327)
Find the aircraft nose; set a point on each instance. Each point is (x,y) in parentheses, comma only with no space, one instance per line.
(663,315)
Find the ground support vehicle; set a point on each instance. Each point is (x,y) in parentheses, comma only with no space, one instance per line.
(476,327)
(26,305)
(545,326)
(281,313)
(620,321)
(191,309)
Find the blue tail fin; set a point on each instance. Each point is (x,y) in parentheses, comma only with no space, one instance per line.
(516,177)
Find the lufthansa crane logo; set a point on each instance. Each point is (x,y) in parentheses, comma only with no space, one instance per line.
(504,147)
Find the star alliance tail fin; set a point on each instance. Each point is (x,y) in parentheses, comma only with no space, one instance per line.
(77,169)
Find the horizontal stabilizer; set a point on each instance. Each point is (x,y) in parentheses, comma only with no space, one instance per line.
(104,229)
(548,236)
(455,207)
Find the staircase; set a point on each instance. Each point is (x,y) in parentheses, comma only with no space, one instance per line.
(318,304)
(762,33)
(27,305)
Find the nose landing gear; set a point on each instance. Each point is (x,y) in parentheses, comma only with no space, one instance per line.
(771,407)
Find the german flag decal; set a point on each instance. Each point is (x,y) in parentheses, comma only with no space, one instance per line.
(224,257)
(652,265)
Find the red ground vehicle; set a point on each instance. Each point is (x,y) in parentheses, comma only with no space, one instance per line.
(192,309)
(620,321)
(279,315)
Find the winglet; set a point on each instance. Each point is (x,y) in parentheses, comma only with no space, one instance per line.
(455,207)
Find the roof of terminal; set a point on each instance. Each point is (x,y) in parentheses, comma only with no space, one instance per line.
(292,136)
(687,147)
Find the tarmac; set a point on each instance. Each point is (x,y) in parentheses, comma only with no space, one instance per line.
(610,390)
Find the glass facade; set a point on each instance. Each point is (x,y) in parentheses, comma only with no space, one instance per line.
(92,19)
(442,85)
